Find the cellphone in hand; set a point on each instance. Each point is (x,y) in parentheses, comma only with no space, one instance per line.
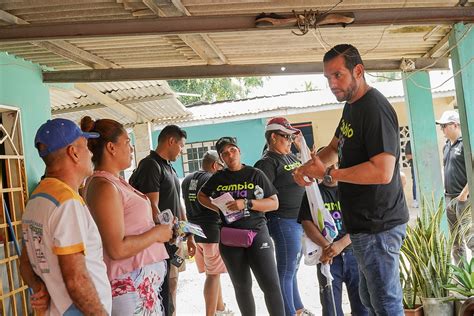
(177,261)
(165,217)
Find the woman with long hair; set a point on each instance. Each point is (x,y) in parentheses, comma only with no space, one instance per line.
(278,163)
(133,246)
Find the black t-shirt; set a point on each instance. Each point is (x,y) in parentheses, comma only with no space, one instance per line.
(367,128)
(250,183)
(155,174)
(279,170)
(332,204)
(455,178)
(208,219)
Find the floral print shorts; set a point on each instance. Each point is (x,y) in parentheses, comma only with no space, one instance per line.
(138,292)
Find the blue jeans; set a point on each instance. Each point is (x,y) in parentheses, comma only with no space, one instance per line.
(344,269)
(378,258)
(286,234)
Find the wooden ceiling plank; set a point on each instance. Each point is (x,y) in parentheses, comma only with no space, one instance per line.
(63,48)
(76,54)
(439,49)
(215,48)
(214,71)
(215,24)
(10,18)
(107,101)
(203,47)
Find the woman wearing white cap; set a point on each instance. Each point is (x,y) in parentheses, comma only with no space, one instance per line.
(278,163)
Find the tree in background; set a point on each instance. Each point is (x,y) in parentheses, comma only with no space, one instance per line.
(215,89)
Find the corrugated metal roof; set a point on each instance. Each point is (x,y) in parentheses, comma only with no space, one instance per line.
(304,101)
(236,48)
(151,100)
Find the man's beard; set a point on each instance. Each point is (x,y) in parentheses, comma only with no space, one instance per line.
(349,93)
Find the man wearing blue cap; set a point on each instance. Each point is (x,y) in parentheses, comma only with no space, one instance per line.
(63,249)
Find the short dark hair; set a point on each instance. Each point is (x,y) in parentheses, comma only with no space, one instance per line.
(350,53)
(268,136)
(171,131)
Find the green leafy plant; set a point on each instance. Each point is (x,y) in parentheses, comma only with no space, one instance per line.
(427,249)
(462,278)
(409,284)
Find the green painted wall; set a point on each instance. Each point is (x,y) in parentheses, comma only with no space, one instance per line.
(249,133)
(21,86)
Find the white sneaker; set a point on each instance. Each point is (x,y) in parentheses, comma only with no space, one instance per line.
(225,312)
(415,204)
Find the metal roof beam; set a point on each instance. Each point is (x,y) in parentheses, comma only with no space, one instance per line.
(214,71)
(216,24)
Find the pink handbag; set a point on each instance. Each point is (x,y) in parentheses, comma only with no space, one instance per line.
(236,237)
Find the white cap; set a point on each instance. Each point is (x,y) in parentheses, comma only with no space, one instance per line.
(449,117)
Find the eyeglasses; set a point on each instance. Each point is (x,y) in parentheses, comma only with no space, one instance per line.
(443,126)
(288,137)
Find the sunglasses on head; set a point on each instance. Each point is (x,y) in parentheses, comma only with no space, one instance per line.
(226,140)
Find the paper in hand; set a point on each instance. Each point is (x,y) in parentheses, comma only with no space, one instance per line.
(221,203)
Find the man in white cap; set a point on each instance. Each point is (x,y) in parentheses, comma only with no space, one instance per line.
(455,179)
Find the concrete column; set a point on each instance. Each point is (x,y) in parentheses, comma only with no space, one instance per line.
(461,43)
(143,141)
(424,142)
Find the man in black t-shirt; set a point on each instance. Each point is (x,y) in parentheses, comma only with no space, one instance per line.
(208,258)
(156,177)
(367,145)
(455,178)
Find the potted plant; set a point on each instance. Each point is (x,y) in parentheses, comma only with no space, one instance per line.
(462,281)
(428,251)
(411,305)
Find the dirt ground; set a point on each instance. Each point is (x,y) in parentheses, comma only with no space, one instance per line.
(191,301)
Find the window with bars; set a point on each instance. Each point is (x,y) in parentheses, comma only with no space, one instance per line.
(193,153)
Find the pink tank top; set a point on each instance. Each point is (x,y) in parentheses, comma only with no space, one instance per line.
(138,219)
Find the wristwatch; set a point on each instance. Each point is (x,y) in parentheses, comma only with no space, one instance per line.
(327,176)
(248,205)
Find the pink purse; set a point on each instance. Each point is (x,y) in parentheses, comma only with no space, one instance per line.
(236,237)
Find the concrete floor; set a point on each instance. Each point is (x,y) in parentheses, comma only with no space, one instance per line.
(191,300)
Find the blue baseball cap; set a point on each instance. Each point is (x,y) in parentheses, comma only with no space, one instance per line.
(59,133)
